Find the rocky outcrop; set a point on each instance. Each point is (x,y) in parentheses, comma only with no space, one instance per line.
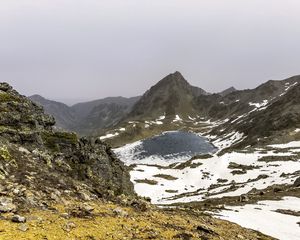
(37,162)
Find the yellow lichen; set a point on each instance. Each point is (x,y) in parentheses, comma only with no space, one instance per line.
(153,224)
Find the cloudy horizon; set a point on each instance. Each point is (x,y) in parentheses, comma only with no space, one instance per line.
(82,50)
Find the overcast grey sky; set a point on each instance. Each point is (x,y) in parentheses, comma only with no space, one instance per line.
(87,49)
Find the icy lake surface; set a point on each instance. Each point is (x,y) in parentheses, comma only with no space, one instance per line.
(168,147)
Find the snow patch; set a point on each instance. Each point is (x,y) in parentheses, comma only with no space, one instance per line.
(263,218)
(110,135)
(294,144)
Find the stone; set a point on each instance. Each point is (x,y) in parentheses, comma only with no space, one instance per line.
(244,198)
(23,227)
(184,236)
(84,196)
(18,219)
(5,87)
(297,182)
(120,212)
(82,211)
(140,204)
(69,226)
(23,150)
(6,205)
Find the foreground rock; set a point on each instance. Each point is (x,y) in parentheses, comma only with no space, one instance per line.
(38,163)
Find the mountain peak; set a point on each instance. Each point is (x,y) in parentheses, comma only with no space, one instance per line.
(170,96)
(227,91)
(176,76)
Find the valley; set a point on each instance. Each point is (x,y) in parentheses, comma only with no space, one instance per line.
(228,155)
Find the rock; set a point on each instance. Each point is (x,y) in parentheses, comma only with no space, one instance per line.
(184,236)
(82,211)
(18,219)
(65,215)
(120,212)
(244,198)
(69,226)
(23,150)
(5,87)
(84,196)
(6,205)
(23,227)
(297,182)
(205,230)
(54,197)
(277,189)
(140,205)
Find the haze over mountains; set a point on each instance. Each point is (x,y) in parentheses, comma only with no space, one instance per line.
(170,97)
(84,118)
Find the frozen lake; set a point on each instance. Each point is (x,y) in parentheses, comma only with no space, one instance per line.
(168,147)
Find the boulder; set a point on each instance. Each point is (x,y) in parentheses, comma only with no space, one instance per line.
(120,212)
(6,205)
(297,182)
(18,219)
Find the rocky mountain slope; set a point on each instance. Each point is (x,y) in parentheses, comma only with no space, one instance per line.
(222,114)
(37,158)
(88,117)
(56,186)
(267,114)
(170,96)
(65,117)
(254,174)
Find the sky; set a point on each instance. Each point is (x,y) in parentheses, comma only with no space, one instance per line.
(75,50)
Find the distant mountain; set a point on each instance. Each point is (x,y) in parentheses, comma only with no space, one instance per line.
(88,117)
(64,115)
(84,109)
(241,102)
(252,111)
(227,91)
(281,115)
(170,96)
(100,114)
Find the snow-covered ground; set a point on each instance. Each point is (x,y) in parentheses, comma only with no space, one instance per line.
(264,218)
(231,174)
(200,182)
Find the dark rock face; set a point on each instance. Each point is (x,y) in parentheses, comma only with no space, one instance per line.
(172,95)
(271,123)
(37,161)
(297,182)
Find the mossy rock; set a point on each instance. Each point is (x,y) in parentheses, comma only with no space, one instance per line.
(5,154)
(5,97)
(54,141)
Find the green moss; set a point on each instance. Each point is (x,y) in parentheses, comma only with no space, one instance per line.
(4,153)
(5,97)
(58,139)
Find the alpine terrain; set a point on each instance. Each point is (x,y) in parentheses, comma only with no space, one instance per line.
(233,155)
(55,185)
